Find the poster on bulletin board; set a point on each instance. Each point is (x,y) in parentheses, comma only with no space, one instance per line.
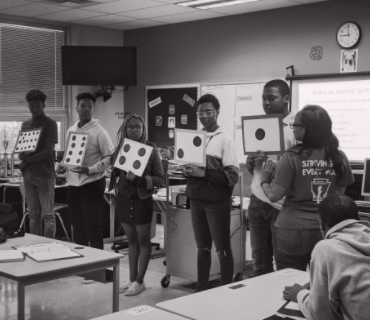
(170,107)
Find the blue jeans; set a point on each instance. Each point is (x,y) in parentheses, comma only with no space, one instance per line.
(293,247)
(40,202)
(262,217)
(211,220)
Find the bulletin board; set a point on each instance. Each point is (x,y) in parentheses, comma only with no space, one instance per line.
(236,100)
(169,107)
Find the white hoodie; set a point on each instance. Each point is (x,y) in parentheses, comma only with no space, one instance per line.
(97,156)
(340,275)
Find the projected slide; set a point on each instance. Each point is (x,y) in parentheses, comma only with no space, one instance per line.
(348,104)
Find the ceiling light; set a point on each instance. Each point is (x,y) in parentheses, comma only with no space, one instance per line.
(208,4)
(224,4)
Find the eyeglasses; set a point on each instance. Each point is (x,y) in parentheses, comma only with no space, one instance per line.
(205,114)
(132,128)
(292,125)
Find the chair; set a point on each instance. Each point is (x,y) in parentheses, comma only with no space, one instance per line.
(364,216)
(57,207)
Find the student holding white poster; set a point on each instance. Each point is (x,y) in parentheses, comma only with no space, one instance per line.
(209,190)
(135,202)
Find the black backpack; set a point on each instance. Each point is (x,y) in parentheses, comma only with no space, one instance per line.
(8,219)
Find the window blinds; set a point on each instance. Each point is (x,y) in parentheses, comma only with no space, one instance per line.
(30,58)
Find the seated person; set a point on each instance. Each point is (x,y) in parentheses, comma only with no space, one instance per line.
(340,266)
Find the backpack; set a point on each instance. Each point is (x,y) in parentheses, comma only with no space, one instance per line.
(8,219)
(2,235)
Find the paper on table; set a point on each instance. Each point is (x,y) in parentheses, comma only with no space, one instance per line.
(292,305)
(11,256)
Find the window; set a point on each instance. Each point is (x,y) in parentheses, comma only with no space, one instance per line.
(30,58)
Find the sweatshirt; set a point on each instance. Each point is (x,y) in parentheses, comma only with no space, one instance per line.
(97,156)
(340,275)
(221,171)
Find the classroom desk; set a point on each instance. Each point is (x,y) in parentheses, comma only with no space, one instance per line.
(259,298)
(30,272)
(141,312)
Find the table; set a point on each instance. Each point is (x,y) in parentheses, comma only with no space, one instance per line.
(142,312)
(259,298)
(29,272)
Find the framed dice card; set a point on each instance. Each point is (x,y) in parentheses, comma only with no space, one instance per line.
(76,148)
(190,146)
(133,157)
(27,140)
(263,133)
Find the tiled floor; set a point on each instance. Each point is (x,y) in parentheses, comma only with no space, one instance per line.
(69,299)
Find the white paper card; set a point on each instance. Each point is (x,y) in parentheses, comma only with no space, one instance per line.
(154,102)
(262,134)
(190,147)
(292,306)
(27,141)
(139,310)
(76,148)
(11,255)
(288,272)
(133,157)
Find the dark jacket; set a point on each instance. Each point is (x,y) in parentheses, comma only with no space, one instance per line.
(152,176)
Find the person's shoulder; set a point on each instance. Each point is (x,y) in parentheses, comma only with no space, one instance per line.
(325,250)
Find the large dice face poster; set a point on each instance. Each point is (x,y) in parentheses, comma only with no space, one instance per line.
(190,147)
(133,157)
(76,148)
(27,140)
(264,133)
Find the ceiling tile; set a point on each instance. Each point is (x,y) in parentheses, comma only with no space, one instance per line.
(5,4)
(34,9)
(253,6)
(189,16)
(124,5)
(138,24)
(104,20)
(70,15)
(161,11)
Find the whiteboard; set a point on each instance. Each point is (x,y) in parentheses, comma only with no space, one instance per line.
(236,100)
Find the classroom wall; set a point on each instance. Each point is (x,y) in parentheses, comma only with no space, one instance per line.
(252,46)
(109,113)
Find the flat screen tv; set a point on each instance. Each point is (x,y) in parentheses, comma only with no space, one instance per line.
(87,65)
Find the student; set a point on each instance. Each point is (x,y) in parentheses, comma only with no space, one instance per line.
(305,175)
(87,182)
(261,212)
(340,266)
(38,167)
(135,202)
(209,190)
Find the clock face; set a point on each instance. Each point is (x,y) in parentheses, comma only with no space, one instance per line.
(348,35)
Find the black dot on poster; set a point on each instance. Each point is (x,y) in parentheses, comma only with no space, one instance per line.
(197,141)
(136,164)
(180,153)
(126,148)
(122,160)
(17,148)
(73,145)
(33,133)
(33,146)
(73,138)
(78,160)
(70,153)
(260,134)
(84,138)
(141,152)
(82,144)
(80,153)
(29,134)
(68,159)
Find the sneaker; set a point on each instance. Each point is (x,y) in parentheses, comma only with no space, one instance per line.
(88,281)
(124,286)
(135,289)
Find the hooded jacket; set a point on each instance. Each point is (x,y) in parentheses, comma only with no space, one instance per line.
(97,156)
(340,275)
(221,171)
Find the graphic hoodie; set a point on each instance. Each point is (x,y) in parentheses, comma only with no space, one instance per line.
(97,156)
(340,275)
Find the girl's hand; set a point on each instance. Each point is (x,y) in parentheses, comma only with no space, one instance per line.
(194,171)
(131,176)
(268,169)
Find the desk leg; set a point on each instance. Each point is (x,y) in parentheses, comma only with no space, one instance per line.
(21,300)
(4,193)
(116,287)
(112,211)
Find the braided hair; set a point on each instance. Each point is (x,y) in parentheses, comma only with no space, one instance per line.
(122,133)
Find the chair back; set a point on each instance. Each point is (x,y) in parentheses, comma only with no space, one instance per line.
(364,216)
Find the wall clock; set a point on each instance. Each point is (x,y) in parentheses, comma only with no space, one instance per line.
(348,34)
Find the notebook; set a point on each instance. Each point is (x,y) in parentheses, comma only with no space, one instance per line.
(11,256)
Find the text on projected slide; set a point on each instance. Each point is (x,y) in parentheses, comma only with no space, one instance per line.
(348,104)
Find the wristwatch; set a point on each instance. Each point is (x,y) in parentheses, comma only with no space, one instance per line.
(263,182)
